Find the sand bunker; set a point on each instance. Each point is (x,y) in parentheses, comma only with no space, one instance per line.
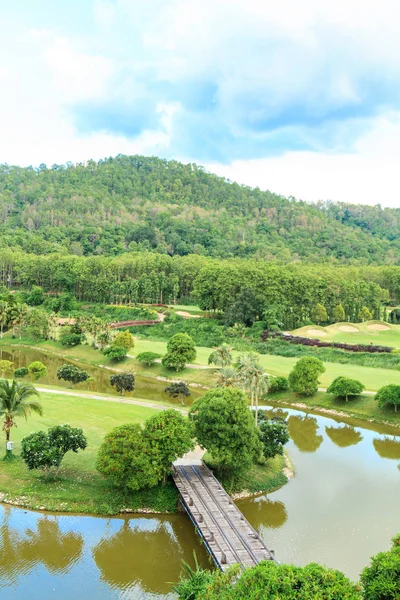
(348,329)
(316,332)
(187,315)
(377,327)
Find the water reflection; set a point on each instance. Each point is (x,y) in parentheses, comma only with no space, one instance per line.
(145,387)
(142,548)
(344,435)
(303,431)
(45,544)
(387,447)
(264,512)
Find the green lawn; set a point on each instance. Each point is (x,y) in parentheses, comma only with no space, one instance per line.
(80,488)
(363,335)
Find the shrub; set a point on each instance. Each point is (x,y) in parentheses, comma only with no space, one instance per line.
(70,338)
(381,579)
(36,296)
(20,373)
(303,379)
(148,357)
(44,450)
(305,341)
(124,339)
(37,369)
(6,366)
(124,457)
(274,435)
(123,382)
(116,353)
(72,374)
(270,580)
(344,387)
(278,384)
(178,389)
(388,395)
(181,350)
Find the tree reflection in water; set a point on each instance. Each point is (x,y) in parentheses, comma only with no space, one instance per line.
(46,545)
(303,431)
(344,436)
(263,512)
(387,447)
(147,552)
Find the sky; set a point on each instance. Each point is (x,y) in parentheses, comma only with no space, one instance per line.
(301,98)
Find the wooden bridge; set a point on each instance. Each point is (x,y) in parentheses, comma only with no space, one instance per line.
(228,536)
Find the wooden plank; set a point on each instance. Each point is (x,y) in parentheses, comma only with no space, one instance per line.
(229,536)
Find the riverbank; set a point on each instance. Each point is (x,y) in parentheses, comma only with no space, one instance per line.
(79,488)
(364,408)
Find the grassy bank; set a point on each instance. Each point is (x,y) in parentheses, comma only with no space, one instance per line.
(363,407)
(79,488)
(261,478)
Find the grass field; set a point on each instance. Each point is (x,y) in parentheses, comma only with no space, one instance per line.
(364,333)
(79,488)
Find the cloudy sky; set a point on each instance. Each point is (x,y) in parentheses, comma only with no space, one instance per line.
(302,98)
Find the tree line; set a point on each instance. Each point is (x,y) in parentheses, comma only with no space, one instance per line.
(243,290)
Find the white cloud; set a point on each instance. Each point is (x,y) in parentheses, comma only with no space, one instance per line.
(369,175)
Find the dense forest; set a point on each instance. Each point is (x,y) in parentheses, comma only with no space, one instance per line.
(136,204)
(243,290)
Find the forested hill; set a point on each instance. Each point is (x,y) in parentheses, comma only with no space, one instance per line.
(131,203)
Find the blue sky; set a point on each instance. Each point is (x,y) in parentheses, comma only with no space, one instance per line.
(302,98)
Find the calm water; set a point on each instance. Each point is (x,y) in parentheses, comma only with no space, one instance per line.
(341,507)
(145,387)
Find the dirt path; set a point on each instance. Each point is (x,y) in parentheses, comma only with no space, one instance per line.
(119,399)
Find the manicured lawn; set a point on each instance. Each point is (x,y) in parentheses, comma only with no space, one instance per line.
(363,335)
(79,488)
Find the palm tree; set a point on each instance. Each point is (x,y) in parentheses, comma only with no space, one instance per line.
(16,400)
(253,378)
(222,356)
(17,315)
(227,377)
(3,315)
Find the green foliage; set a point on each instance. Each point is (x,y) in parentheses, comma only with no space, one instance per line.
(278,384)
(221,357)
(125,458)
(303,379)
(69,337)
(344,387)
(72,374)
(124,339)
(381,579)
(44,450)
(36,296)
(123,382)
(193,582)
(169,435)
(20,373)
(269,580)
(181,350)
(365,314)
(37,369)
(6,366)
(178,389)
(17,399)
(338,314)
(319,314)
(38,323)
(388,395)
(116,353)
(225,426)
(274,435)
(148,358)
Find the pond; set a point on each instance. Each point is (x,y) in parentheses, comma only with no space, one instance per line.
(341,507)
(145,387)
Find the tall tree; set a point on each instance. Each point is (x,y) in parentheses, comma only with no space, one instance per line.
(17,400)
